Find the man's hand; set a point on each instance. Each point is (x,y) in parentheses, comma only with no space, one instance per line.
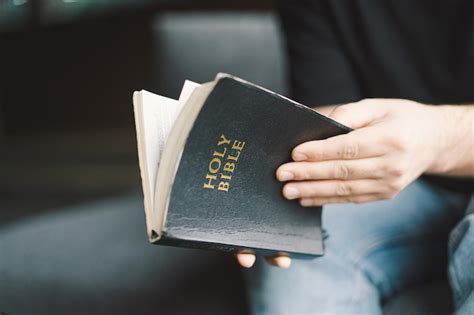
(394,141)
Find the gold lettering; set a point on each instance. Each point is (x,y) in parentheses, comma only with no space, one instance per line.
(209,184)
(226,177)
(223,140)
(220,154)
(234,158)
(229,167)
(238,145)
(213,162)
(223,186)
(223,164)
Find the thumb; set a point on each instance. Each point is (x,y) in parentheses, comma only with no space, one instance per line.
(357,115)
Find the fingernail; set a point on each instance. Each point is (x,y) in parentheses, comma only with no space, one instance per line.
(299,156)
(283,262)
(246,260)
(305,202)
(285,175)
(291,192)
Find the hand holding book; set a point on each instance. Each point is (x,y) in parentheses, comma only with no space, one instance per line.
(394,142)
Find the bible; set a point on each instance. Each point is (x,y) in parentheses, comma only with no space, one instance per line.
(208,162)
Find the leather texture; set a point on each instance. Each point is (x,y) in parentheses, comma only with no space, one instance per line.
(252,215)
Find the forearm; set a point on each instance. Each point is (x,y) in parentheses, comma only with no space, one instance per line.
(456,139)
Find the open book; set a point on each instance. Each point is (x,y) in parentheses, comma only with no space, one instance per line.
(208,164)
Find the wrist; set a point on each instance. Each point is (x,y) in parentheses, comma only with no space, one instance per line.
(452,132)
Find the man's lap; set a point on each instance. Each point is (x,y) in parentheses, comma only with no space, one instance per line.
(461,262)
(373,251)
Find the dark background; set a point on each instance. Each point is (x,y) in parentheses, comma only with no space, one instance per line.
(72,229)
(67,73)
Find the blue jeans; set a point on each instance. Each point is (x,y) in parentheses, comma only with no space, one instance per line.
(373,251)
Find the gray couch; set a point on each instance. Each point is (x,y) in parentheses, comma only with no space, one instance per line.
(95,259)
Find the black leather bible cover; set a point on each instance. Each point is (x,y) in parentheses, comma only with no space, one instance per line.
(225,195)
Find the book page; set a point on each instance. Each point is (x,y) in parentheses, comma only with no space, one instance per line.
(154,117)
(186,91)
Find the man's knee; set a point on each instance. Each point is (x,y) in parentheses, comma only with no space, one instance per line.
(461,252)
(321,285)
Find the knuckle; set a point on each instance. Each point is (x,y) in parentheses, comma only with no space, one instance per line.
(350,151)
(342,171)
(396,170)
(343,189)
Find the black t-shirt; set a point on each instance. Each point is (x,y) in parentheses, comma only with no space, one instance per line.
(343,51)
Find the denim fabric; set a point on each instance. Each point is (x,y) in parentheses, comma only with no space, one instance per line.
(461,263)
(373,251)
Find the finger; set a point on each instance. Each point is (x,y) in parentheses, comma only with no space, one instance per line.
(338,169)
(359,114)
(332,188)
(245,260)
(326,110)
(358,144)
(279,261)
(316,202)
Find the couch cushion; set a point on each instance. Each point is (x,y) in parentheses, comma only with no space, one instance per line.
(95,259)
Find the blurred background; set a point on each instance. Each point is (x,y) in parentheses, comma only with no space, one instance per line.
(67,72)
(72,229)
